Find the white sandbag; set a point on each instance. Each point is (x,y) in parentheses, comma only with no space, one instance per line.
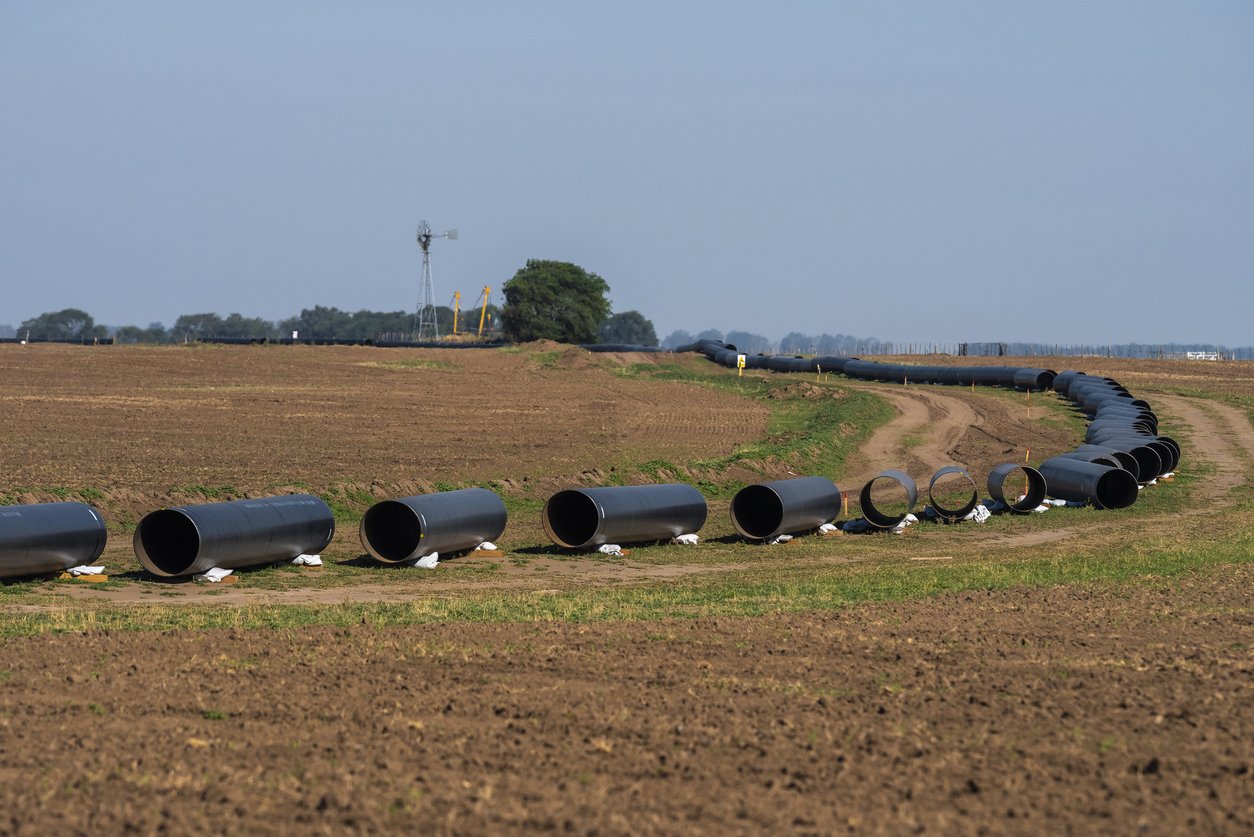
(979,514)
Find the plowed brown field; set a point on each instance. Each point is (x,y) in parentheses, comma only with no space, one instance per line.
(1123,709)
(156,419)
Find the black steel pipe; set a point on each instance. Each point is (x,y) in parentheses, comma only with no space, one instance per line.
(1033,379)
(1120,425)
(1126,460)
(1064,379)
(1104,487)
(1168,453)
(49,537)
(767,509)
(963,510)
(1097,458)
(620,347)
(1032,497)
(394,531)
(1149,461)
(876,517)
(832,363)
(578,518)
(186,540)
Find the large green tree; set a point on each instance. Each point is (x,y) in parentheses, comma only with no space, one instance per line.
(194,326)
(66,324)
(628,327)
(548,300)
(155,333)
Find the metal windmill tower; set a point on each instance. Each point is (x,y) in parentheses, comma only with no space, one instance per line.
(425,323)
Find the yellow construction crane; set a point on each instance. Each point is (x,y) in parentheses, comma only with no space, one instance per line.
(483,307)
(484,300)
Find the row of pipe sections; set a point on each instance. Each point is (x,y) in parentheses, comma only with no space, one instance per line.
(187,540)
(1122,448)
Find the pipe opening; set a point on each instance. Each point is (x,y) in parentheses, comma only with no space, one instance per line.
(1127,462)
(170,540)
(392,532)
(757,512)
(885,501)
(1004,485)
(1174,448)
(571,518)
(1166,456)
(952,493)
(1116,489)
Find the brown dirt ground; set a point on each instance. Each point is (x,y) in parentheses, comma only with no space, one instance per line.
(1065,710)
(154,419)
(152,426)
(1055,711)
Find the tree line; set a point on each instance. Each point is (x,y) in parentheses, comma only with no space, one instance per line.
(545,300)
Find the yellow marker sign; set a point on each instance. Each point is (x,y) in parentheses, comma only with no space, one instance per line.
(740,365)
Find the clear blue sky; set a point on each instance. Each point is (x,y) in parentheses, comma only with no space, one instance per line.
(1061,172)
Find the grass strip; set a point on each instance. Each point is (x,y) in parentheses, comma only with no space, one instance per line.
(794,589)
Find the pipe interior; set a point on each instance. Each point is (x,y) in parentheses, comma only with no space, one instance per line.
(170,540)
(572,518)
(885,501)
(953,494)
(757,511)
(1116,489)
(392,531)
(1034,489)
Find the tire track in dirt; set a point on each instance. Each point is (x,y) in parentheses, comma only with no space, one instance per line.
(940,421)
(1220,435)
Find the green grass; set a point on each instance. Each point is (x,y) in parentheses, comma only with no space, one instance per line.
(89,494)
(812,434)
(409,363)
(792,589)
(212,493)
(545,360)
